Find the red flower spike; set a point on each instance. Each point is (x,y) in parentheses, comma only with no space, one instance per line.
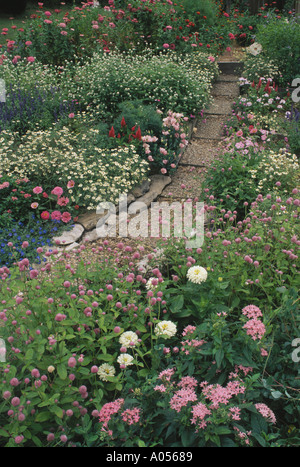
(111,133)
(138,134)
(123,123)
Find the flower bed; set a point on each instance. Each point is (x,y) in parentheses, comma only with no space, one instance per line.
(202,350)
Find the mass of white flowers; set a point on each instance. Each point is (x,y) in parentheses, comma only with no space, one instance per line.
(128,339)
(165,329)
(197,274)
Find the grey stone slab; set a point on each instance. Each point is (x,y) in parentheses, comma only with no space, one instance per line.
(200,153)
(70,236)
(220,106)
(231,90)
(211,127)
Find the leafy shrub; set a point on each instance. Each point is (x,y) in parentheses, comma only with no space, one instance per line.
(260,66)
(280,41)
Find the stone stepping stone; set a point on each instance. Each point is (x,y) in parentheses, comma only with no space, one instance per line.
(227,78)
(70,236)
(226,89)
(210,128)
(186,183)
(200,153)
(220,106)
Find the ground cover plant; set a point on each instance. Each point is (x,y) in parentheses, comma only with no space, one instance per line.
(201,349)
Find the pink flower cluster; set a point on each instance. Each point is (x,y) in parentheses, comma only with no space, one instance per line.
(218,394)
(182,397)
(131,416)
(61,201)
(266,412)
(108,410)
(254,326)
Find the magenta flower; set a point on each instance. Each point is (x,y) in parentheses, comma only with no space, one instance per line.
(72,362)
(56,215)
(58,191)
(45,215)
(37,190)
(66,217)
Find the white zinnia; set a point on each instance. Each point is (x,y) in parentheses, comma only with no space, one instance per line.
(129,339)
(125,359)
(197,274)
(165,329)
(105,370)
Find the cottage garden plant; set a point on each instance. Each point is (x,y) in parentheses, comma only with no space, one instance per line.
(202,349)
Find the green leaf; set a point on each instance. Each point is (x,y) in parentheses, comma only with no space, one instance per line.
(58,411)
(42,416)
(62,371)
(219,357)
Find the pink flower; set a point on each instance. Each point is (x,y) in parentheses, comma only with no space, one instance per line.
(30,59)
(255,328)
(131,416)
(266,412)
(71,115)
(58,191)
(199,412)
(70,184)
(34,205)
(63,201)
(37,190)
(45,215)
(56,215)
(72,362)
(66,217)
(166,46)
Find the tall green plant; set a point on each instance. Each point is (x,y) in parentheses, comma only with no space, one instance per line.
(281,43)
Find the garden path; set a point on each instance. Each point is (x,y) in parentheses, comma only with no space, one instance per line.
(201,151)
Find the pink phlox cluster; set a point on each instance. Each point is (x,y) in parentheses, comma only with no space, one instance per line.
(234,413)
(255,328)
(182,397)
(167,374)
(218,394)
(244,369)
(108,410)
(188,381)
(199,412)
(188,330)
(266,412)
(160,388)
(243,435)
(131,416)
(251,311)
